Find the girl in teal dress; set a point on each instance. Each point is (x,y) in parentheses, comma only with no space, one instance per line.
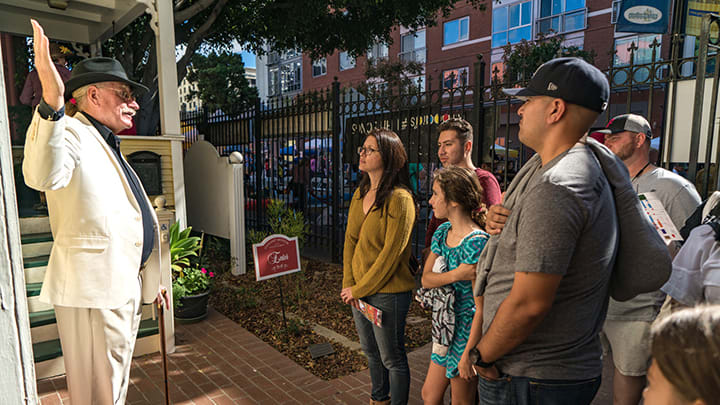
(457,196)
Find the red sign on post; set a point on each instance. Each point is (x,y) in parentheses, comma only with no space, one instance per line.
(276,256)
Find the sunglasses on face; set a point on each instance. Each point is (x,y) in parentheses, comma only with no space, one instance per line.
(124,94)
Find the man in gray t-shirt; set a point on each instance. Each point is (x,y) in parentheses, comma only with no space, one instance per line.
(627,328)
(545,293)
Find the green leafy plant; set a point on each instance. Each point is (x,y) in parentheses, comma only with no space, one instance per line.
(286,221)
(191,281)
(182,247)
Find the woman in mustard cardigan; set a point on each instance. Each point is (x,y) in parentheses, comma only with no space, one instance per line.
(376,262)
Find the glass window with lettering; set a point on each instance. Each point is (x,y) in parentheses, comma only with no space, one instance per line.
(456,31)
(453,78)
(511,24)
(560,16)
(346,61)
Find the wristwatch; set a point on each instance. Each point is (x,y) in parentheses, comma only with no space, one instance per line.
(477,360)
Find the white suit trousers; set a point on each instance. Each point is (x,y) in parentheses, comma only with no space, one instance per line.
(97,347)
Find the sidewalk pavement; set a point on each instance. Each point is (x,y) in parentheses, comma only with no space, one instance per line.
(219,362)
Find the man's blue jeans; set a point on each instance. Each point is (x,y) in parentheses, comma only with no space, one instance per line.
(385,347)
(510,390)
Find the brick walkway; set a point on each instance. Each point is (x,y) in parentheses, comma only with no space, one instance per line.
(219,362)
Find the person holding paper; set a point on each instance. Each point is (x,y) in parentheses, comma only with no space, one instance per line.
(627,325)
(376,262)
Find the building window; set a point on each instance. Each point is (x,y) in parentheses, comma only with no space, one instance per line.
(412,47)
(641,56)
(273,81)
(560,16)
(456,31)
(511,24)
(455,78)
(497,71)
(346,61)
(319,67)
(418,82)
(377,52)
(290,76)
(615,11)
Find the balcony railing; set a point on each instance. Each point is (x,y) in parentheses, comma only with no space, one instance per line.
(415,55)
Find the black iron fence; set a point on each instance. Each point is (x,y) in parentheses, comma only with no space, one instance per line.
(303,150)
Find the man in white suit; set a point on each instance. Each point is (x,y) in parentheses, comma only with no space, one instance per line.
(105,261)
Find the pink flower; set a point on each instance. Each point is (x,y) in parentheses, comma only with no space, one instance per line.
(203,271)
(212,274)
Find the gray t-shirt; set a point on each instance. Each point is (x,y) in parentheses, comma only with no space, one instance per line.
(563,223)
(680,200)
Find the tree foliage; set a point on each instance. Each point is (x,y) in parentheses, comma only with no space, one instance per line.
(221,82)
(390,76)
(318,27)
(522,60)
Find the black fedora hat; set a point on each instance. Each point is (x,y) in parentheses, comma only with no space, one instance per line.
(96,70)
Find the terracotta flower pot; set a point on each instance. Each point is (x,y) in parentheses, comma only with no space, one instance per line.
(193,309)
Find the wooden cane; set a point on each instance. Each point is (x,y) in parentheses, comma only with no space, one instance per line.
(163,349)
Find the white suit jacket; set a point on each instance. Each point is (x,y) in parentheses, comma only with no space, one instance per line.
(95,219)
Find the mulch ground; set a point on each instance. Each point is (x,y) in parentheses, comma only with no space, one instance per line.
(312,295)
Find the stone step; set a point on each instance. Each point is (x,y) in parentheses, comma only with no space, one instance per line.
(32,225)
(37,244)
(44,325)
(48,354)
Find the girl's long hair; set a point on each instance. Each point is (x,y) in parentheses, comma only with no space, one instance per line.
(395,162)
(463,187)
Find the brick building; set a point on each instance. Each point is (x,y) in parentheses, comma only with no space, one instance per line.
(450,48)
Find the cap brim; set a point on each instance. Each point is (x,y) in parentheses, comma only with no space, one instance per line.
(520,92)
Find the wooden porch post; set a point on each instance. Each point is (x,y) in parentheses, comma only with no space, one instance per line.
(17,375)
(169,103)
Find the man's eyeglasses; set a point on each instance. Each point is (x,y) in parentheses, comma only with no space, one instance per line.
(124,94)
(365,151)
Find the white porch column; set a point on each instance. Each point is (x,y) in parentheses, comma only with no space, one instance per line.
(169,103)
(17,374)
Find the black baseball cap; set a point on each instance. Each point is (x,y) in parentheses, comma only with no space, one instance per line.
(628,122)
(571,79)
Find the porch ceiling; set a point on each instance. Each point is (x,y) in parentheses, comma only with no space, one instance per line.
(83,21)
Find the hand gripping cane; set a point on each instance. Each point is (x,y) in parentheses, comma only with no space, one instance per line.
(163,349)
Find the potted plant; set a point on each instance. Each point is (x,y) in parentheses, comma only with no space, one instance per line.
(191,281)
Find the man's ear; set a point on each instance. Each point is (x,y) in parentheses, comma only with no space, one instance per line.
(468,146)
(556,110)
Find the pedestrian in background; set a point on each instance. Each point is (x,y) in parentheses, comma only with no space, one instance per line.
(376,262)
(627,326)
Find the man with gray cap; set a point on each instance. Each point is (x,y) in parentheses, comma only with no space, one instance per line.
(544,276)
(627,327)
(105,260)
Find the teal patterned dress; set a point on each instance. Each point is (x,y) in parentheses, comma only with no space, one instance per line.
(468,251)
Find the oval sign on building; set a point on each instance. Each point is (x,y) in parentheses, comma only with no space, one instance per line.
(642,15)
(276,256)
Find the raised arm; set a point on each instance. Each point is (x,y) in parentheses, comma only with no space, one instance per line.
(52,84)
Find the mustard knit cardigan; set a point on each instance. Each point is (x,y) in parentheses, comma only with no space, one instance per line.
(377,246)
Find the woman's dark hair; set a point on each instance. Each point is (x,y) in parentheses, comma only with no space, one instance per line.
(463,187)
(395,162)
